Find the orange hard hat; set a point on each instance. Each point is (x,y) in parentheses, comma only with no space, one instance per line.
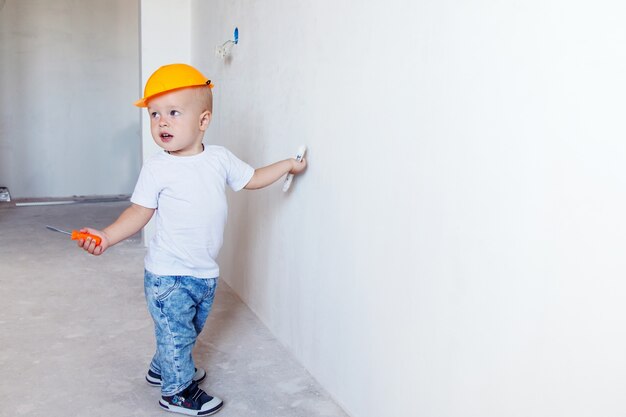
(171,77)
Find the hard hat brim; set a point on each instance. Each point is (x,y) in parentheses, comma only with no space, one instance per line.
(143,102)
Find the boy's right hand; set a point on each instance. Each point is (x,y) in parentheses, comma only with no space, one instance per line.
(89,245)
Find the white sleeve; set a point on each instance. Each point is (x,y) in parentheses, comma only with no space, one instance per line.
(147,191)
(238,172)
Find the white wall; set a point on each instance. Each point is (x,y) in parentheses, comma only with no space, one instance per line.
(456,247)
(165,39)
(67,81)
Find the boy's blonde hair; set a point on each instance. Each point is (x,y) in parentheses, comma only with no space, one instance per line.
(204,96)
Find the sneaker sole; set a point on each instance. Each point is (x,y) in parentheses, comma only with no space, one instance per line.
(153,381)
(181,410)
(157,382)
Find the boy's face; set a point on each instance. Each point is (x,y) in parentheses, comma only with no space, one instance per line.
(178,120)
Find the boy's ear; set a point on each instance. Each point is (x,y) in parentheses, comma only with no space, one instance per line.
(205,120)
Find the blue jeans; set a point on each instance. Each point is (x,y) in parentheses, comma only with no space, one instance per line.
(179,306)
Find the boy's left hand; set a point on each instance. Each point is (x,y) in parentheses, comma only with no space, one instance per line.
(297,167)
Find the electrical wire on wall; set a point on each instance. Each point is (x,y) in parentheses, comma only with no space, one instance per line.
(224,49)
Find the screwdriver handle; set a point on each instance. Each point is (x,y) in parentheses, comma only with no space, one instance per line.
(76,235)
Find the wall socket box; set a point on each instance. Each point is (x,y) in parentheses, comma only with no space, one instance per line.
(5,196)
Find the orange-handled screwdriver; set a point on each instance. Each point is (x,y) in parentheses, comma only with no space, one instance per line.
(76,235)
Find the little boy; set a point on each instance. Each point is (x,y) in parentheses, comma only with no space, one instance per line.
(185,186)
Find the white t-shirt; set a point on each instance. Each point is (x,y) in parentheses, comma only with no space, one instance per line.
(189,195)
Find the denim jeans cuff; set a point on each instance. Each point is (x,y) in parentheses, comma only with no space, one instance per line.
(178,390)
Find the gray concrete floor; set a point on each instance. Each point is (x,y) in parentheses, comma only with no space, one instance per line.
(76,337)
